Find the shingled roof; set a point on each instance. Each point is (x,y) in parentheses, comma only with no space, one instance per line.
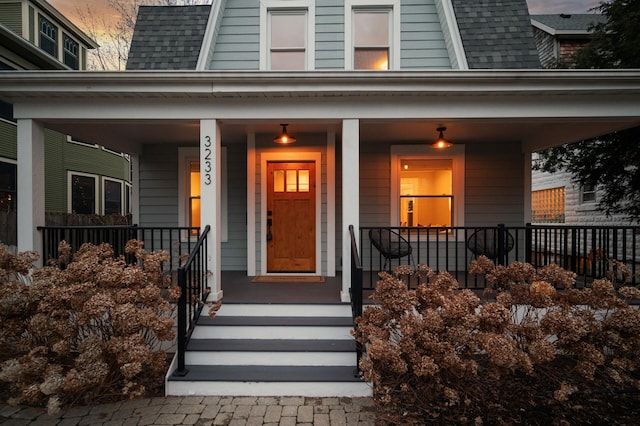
(168,37)
(566,23)
(496,34)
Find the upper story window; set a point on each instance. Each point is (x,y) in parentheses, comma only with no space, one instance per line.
(48,36)
(371,39)
(286,34)
(70,52)
(372,34)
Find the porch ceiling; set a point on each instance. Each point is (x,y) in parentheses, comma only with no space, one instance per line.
(125,110)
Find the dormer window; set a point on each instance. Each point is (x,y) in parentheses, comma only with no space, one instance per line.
(48,36)
(70,52)
(372,34)
(287,40)
(371,39)
(287,35)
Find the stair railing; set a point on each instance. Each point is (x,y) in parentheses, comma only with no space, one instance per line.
(356,292)
(192,279)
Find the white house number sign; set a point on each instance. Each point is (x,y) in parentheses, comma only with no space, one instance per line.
(207,160)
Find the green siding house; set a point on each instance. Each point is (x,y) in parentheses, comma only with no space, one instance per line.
(80,176)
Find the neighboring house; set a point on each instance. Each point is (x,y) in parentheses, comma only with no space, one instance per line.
(364,86)
(555,197)
(558,37)
(81,177)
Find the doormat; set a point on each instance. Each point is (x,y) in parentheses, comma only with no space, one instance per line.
(288,279)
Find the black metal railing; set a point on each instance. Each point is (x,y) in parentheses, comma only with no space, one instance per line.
(177,241)
(588,251)
(192,279)
(356,292)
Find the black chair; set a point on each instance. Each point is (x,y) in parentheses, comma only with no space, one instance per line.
(390,244)
(484,242)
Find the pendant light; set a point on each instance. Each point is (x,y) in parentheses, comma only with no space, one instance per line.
(441,142)
(284,138)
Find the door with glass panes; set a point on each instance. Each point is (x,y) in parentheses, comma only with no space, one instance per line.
(291,221)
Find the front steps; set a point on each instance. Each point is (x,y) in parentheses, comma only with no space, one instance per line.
(272,350)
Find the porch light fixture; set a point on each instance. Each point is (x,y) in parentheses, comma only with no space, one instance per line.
(284,138)
(441,142)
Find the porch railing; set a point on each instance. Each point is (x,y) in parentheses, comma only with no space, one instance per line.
(588,251)
(192,279)
(177,241)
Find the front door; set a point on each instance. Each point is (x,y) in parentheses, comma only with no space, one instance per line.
(291,217)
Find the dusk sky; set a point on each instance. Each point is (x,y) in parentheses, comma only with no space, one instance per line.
(67,7)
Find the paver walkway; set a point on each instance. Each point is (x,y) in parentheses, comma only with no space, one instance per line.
(201,411)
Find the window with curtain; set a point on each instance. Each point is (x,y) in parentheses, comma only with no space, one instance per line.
(287,39)
(371,39)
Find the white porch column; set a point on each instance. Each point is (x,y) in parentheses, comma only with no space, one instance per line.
(135,189)
(350,196)
(30,185)
(210,194)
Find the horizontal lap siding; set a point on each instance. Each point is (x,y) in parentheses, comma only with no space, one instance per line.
(238,39)
(494,184)
(234,251)
(422,41)
(375,178)
(329,34)
(159,185)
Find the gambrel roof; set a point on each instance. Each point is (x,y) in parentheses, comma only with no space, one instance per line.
(496,34)
(168,37)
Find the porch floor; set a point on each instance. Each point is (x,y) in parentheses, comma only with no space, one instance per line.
(238,288)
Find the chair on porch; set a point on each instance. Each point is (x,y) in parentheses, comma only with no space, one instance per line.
(484,242)
(390,244)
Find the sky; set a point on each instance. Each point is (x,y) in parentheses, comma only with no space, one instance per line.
(67,7)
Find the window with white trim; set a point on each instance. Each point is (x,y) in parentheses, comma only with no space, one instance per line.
(287,35)
(112,196)
(372,34)
(82,193)
(427,186)
(48,36)
(587,194)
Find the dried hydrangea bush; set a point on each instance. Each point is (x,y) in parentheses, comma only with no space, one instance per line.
(520,352)
(88,327)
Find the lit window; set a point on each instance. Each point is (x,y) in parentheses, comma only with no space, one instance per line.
(70,52)
(194,194)
(371,39)
(548,205)
(48,36)
(8,186)
(112,192)
(588,194)
(287,40)
(426,192)
(83,193)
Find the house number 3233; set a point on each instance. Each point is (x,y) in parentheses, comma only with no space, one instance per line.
(208,157)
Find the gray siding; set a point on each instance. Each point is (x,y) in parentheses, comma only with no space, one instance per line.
(421,38)
(375,180)
(329,34)
(446,30)
(238,40)
(159,185)
(234,251)
(494,184)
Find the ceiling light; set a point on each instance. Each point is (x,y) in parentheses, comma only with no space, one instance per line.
(441,142)
(284,138)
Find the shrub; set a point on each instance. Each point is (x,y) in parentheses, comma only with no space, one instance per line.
(85,328)
(527,351)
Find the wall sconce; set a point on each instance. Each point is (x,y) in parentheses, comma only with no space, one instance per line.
(284,138)
(441,142)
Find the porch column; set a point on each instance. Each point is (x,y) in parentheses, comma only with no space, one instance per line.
(210,194)
(135,189)
(30,185)
(350,196)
